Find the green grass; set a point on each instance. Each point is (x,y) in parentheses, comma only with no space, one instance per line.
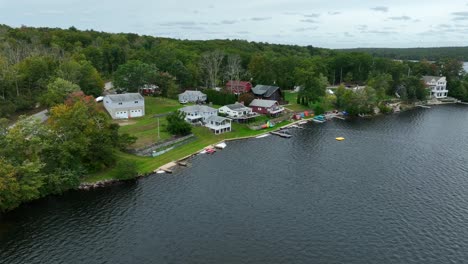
(293,105)
(203,138)
(146,128)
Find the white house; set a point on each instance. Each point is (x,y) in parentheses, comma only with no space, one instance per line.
(192,97)
(235,110)
(218,124)
(437,86)
(121,106)
(197,113)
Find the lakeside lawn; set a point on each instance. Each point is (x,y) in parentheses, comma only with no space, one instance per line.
(293,105)
(146,128)
(204,138)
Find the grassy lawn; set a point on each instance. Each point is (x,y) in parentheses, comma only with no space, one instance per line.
(146,128)
(293,105)
(203,138)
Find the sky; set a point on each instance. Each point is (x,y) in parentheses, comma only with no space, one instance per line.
(327,24)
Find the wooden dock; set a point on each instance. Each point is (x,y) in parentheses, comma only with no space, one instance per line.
(167,168)
(281,134)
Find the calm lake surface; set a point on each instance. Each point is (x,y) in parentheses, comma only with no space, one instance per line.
(395,191)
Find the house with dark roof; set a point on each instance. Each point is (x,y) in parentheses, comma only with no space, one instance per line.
(437,85)
(235,110)
(121,106)
(268,92)
(238,87)
(266,107)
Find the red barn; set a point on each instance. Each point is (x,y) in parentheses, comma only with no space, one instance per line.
(238,87)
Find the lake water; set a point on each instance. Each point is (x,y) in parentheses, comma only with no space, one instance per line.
(465,66)
(395,191)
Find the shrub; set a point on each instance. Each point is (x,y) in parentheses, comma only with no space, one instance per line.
(177,125)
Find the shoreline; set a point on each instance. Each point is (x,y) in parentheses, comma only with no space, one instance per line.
(174,163)
(85,186)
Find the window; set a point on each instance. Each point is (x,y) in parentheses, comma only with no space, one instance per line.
(136,102)
(120,103)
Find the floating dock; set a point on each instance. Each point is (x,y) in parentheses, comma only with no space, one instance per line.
(281,134)
(167,168)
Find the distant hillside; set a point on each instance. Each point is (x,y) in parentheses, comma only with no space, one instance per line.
(432,54)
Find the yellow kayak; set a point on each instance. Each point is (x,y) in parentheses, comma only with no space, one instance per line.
(340,138)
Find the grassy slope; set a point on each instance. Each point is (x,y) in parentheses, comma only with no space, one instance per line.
(203,138)
(146,128)
(293,105)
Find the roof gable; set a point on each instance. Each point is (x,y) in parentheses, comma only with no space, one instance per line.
(263,103)
(128,97)
(265,90)
(198,108)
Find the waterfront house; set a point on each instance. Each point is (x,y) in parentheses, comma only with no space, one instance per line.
(192,97)
(235,110)
(437,85)
(238,87)
(218,124)
(198,113)
(266,107)
(268,92)
(122,106)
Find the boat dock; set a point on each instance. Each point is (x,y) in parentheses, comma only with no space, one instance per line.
(281,134)
(167,168)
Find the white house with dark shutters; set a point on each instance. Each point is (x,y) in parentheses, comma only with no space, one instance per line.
(437,85)
(122,106)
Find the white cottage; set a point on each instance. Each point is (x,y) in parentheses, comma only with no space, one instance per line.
(437,86)
(192,97)
(235,110)
(218,124)
(122,106)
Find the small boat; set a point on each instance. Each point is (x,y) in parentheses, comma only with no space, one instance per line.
(302,123)
(296,126)
(262,136)
(424,106)
(220,145)
(319,119)
(340,138)
(210,150)
(160,172)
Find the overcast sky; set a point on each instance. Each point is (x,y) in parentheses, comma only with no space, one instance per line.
(329,24)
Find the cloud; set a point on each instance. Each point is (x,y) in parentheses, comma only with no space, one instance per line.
(444,26)
(178,23)
(243,32)
(51,12)
(463,14)
(334,13)
(459,18)
(260,18)
(348,35)
(292,13)
(192,28)
(228,22)
(379,32)
(315,15)
(362,27)
(303,29)
(403,18)
(308,20)
(380,9)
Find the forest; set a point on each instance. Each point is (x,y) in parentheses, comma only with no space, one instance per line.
(63,70)
(431,54)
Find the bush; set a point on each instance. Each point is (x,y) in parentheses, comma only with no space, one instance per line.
(7,108)
(247,98)
(126,170)
(177,125)
(220,98)
(384,109)
(318,109)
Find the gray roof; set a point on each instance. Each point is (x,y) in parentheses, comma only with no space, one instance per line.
(263,103)
(264,90)
(195,93)
(216,119)
(236,106)
(198,108)
(430,78)
(128,97)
